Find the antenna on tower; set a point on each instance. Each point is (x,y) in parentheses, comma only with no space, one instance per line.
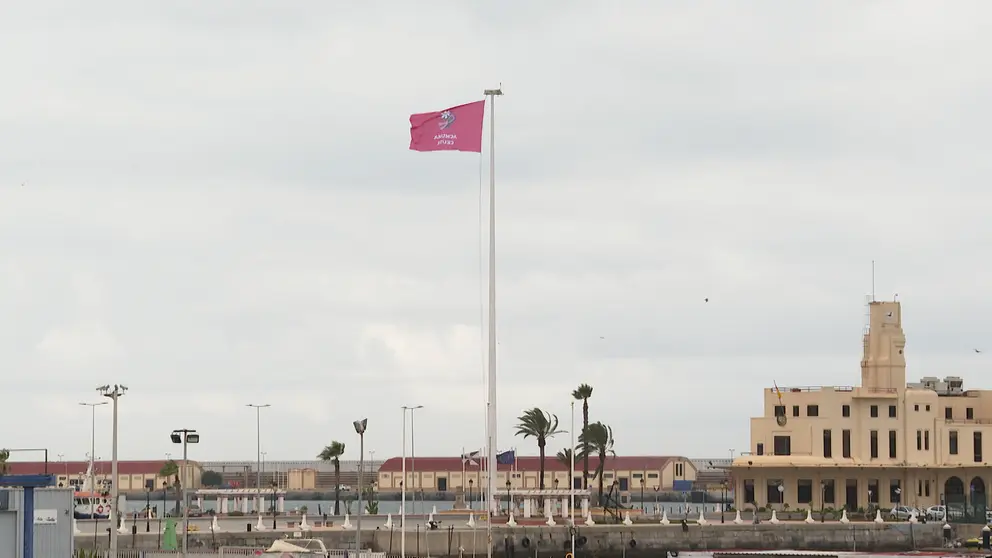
(873,280)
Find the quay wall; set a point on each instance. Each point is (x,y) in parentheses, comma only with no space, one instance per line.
(606,541)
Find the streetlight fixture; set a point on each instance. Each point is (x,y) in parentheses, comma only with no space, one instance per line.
(92,456)
(113,393)
(360,426)
(185,436)
(656,489)
(509,498)
(258,451)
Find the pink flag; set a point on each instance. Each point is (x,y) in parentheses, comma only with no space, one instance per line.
(454,129)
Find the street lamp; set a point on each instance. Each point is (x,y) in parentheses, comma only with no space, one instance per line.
(823,503)
(185,436)
(360,426)
(723,500)
(258,451)
(148,505)
(642,495)
(275,510)
(656,489)
(781,494)
(509,498)
(113,393)
(92,467)
(470,500)
(413,452)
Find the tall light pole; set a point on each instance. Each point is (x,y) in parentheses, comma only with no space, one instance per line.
(360,426)
(113,393)
(403,492)
(413,451)
(571,481)
(258,450)
(185,436)
(92,466)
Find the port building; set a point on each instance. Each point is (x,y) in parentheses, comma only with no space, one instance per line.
(884,442)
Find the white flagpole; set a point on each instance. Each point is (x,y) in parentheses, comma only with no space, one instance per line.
(571,481)
(491,405)
(403,494)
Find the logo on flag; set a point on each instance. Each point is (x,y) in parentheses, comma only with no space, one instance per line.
(508,457)
(447,119)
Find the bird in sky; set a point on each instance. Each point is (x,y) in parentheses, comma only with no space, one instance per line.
(977,351)
(706,300)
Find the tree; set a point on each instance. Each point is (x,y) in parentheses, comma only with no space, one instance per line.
(333,454)
(4,456)
(565,458)
(599,439)
(540,425)
(171,470)
(371,500)
(211,479)
(583,393)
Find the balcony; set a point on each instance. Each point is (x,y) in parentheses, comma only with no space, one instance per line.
(967,421)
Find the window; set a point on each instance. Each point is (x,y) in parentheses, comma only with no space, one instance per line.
(926,440)
(783,445)
(874,444)
(845,442)
(928,408)
(978,447)
(892,444)
(780,410)
(969,413)
(892,411)
(948,413)
(679,470)
(952,442)
(872,491)
(795,410)
(895,491)
(748,490)
(919,488)
(804,491)
(874,411)
(577,483)
(636,475)
(926,488)
(812,410)
(760,450)
(772,493)
(919,440)
(652,475)
(916,407)
(828,450)
(845,410)
(828,491)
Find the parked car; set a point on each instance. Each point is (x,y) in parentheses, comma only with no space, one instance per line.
(194,511)
(904,512)
(936,513)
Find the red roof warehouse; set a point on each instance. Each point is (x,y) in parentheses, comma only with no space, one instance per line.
(445,473)
(132,475)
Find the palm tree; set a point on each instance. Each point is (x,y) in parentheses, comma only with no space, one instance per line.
(540,425)
(599,439)
(170,470)
(333,454)
(565,457)
(4,456)
(583,393)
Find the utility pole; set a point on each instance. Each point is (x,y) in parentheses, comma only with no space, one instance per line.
(113,393)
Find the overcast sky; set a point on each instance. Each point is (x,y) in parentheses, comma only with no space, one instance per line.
(214,203)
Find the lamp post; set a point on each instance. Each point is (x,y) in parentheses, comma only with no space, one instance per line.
(258,451)
(723,500)
(470,501)
(509,498)
(781,494)
(656,489)
(360,426)
(642,495)
(413,451)
(823,503)
(113,393)
(275,488)
(571,480)
(148,507)
(165,499)
(185,436)
(92,455)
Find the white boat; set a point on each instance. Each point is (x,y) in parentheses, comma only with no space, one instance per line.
(94,504)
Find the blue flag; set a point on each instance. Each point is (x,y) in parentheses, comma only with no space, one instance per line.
(506,458)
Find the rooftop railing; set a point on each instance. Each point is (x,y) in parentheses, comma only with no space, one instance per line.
(801,389)
(968,421)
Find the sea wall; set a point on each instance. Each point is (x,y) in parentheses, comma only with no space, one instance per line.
(599,541)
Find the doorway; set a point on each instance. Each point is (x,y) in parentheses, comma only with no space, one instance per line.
(851,495)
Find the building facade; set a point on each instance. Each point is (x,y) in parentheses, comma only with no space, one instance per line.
(883,442)
(440,474)
(132,476)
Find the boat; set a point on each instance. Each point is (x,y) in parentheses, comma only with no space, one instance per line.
(93,504)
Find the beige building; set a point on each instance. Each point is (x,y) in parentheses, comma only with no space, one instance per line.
(884,442)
